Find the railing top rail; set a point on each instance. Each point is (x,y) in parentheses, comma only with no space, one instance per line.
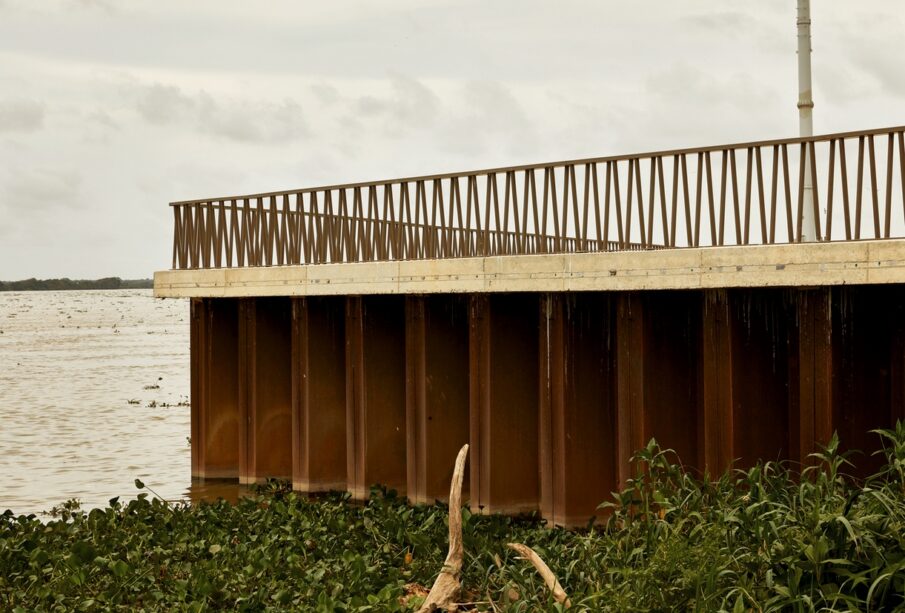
(543,165)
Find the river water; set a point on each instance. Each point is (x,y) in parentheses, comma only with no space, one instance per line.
(93,394)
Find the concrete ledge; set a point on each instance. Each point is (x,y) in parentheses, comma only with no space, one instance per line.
(812,264)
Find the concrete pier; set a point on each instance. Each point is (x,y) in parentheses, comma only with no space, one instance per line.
(556,317)
(553,390)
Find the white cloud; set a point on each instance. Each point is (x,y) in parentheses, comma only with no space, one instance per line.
(20,115)
(111,109)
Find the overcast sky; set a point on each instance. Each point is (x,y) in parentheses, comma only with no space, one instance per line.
(111,109)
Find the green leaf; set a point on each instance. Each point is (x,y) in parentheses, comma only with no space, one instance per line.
(84,552)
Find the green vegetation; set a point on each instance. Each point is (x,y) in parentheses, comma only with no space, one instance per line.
(29,285)
(756,540)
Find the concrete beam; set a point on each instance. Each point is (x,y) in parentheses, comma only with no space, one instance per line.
(799,265)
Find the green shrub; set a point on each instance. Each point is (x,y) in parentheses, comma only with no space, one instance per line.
(764,539)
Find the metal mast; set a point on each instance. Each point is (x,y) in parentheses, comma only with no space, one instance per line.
(805,114)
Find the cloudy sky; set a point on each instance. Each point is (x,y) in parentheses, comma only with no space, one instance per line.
(110,109)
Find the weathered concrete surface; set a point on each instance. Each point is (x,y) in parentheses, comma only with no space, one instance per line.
(801,265)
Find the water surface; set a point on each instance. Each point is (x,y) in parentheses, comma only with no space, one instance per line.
(93,394)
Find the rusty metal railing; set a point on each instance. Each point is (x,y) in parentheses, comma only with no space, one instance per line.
(741,194)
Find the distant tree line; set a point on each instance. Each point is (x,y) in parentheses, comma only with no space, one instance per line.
(64,284)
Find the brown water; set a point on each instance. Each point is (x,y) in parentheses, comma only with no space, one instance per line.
(93,394)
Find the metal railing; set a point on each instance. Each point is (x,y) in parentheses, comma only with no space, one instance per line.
(742,194)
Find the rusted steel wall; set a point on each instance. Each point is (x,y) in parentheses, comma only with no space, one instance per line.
(265,389)
(214,388)
(554,392)
(375,394)
(437,392)
(318,394)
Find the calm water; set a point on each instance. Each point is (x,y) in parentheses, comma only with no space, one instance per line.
(93,394)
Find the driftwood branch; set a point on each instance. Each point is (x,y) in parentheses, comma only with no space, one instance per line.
(445,592)
(544,571)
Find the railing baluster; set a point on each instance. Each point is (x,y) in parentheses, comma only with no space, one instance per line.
(816,196)
(748,186)
(889,171)
(687,202)
(663,219)
(846,209)
(760,195)
(271,229)
(829,192)
(859,188)
(873,186)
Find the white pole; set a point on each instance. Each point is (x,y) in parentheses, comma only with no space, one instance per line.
(805,114)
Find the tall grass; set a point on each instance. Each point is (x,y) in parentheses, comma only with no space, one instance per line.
(763,539)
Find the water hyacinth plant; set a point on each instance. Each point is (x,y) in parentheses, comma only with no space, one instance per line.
(763,539)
